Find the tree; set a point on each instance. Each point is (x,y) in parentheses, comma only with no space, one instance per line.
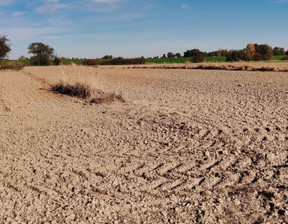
(265,51)
(22,58)
(198,58)
(170,55)
(178,55)
(107,57)
(43,54)
(251,52)
(236,55)
(278,51)
(193,52)
(4,47)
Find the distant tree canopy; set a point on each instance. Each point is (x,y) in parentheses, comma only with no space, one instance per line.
(22,57)
(236,55)
(193,52)
(252,52)
(279,51)
(4,47)
(218,53)
(172,55)
(43,54)
(107,57)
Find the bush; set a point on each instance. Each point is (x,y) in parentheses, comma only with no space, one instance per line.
(40,60)
(122,61)
(78,90)
(285,58)
(84,91)
(198,58)
(90,62)
(236,55)
(14,65)
(56,61)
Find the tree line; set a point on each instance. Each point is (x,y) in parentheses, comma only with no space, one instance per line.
(252,52)
(43,54)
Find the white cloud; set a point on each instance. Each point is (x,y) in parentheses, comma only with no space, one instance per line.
(50,6)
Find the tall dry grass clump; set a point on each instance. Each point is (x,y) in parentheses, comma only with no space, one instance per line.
(85,86)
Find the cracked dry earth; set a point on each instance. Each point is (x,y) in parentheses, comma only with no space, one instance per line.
(187,146)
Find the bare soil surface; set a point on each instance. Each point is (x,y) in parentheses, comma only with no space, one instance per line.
(187,146)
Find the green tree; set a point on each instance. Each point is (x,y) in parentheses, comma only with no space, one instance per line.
(4,47)
(193,52)
(43,54)
(265,51)
(278,51)
(178,55)
(170,55)
(107,57)
(236,55)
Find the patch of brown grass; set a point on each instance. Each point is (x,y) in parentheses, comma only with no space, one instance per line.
(78,90)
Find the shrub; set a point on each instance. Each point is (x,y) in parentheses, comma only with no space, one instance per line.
(236,55)
(85,92)
(56,61)
(78,90)
(122,61)
(90,62)
(40,60)
(285,58)
(14,65)
(198,58)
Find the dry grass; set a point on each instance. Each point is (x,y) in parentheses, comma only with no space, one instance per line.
(244,66)
(79,90)
(82,85)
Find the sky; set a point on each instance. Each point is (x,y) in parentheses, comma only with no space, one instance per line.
(134,28)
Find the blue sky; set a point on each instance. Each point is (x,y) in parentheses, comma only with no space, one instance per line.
(131,28)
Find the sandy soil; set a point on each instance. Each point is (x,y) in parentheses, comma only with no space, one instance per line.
(187,146)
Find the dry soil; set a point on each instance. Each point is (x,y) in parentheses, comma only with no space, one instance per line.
(187,146)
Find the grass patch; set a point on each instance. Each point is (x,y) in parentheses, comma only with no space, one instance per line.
(84,91)
(277,57)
